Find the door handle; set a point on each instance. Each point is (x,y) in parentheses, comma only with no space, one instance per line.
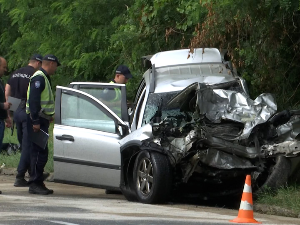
(65,138)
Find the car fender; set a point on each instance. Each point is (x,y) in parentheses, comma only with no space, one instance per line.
(129,152)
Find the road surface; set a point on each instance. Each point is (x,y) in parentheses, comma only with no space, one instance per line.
(74,205)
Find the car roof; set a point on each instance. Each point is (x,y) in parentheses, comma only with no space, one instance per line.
(185,56)
(177,69)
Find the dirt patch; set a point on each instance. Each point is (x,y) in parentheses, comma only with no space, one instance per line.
(13,172)
(275,210)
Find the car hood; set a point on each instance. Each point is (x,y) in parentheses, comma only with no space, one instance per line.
(175,70)
(220,104)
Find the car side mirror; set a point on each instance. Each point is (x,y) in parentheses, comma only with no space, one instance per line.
(130,112)
(122,129)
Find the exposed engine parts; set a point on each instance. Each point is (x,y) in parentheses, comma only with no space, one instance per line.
(223,129)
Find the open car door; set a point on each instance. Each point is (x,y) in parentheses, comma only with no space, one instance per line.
(106,93)
(85,138)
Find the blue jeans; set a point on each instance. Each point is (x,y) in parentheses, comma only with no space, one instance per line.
(2,128)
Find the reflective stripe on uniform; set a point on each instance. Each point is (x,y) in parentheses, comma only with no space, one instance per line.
(118,93)
(117,98)
(47,98)
(47,102)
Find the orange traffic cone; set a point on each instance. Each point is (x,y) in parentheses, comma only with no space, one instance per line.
(246,208)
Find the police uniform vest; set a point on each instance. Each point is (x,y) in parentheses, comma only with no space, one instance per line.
(47,98)
(118,97)
(118,93)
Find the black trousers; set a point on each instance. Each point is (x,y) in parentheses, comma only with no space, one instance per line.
(20,118)
(39,156)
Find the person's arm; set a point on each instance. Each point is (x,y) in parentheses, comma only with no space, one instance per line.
(5,105)
(7,91)
(37,85)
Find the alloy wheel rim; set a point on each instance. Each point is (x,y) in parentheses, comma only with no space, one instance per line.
(145,176)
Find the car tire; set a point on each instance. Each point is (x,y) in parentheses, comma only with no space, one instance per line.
(129,195)
(152,177)
(279,174)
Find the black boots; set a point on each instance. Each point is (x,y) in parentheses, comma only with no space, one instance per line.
(21,182)
(39,189)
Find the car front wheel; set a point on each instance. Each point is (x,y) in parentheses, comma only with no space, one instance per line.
(153,177)
(275,176)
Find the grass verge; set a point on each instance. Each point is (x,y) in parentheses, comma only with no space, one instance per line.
(12,161)
(286,198)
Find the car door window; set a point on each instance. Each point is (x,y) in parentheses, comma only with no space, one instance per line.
(109,96)
(79,112)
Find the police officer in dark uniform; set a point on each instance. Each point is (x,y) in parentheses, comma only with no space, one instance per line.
(40,111)
(17,87)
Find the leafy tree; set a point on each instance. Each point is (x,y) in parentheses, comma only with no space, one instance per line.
(154,26)
(263,40)
(92,37)
(78,32)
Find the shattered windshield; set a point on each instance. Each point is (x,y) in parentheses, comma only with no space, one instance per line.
(156,106)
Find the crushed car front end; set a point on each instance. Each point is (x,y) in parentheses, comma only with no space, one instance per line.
(198,115)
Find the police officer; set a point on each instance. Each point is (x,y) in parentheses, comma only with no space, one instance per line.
(40,111)
(112,97)
(122,75)
(17,87)
(113,100)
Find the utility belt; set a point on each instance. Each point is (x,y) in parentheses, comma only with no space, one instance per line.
(43,115)
(22,104)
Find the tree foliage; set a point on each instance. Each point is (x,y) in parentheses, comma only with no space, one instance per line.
(92,37)
(263,40)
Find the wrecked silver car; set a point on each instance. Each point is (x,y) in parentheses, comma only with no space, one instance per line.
(193,129)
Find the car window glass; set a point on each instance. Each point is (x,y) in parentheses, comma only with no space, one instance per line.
(158,101)
(111,97)
(139,107)
(79,112)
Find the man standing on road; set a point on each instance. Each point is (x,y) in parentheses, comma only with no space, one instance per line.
(17,87)
(4,106)
(40,111)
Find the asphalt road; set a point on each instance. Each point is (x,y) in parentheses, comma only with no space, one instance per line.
(74,205)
